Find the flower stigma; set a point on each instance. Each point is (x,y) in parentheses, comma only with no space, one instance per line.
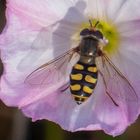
(109,31)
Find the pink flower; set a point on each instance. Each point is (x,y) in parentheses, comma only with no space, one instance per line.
(39,31)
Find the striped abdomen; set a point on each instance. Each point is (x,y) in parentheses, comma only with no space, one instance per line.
(83,79)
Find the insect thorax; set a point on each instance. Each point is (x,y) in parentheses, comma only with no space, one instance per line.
(88,50)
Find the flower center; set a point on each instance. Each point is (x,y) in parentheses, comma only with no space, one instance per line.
(110,33)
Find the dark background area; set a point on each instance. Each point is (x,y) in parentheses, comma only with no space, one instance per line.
(15,126)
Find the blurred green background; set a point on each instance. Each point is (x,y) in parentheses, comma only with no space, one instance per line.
(14,126)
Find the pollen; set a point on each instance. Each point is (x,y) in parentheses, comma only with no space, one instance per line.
(111,34)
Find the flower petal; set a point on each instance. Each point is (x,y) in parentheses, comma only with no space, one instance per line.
(127,60)
(36,11)
(129,52)
(96,9)
(25,47)
(21,61)
(62,109)
(13,42)
(129,29)
(121,10)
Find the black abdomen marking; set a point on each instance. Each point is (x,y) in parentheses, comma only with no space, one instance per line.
(83,79)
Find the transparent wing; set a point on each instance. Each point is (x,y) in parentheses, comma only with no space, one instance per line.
(117,86)
(50,41)
(53,71)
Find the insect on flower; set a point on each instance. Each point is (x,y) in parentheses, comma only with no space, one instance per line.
(85,72)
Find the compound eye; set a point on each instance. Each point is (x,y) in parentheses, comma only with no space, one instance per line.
(98,34)
(84,32)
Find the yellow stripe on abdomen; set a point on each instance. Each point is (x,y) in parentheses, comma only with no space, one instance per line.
(75,87)
(77,96)
(90,79)
(76,76)
(87,89)
(92,69)
(78,67)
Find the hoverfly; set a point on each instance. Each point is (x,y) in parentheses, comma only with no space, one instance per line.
(84,73)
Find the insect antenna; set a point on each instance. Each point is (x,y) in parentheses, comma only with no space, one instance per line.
(91,25)
(96,24)
(90,22)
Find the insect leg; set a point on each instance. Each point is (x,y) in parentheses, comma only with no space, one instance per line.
(107,93)
(65,87)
